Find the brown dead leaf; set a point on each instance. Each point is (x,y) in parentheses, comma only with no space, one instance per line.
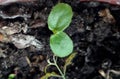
(23,41)
(1,37)
(107,16)
(68,61)
(37,23)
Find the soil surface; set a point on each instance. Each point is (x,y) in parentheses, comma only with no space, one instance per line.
(95,31)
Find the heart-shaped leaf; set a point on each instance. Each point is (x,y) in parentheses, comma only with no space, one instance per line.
(61,44)
(60,17)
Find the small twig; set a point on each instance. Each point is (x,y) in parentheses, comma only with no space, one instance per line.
(107,75)
(112,71)
(28,61)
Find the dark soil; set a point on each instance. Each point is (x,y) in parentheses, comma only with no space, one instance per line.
(97,42)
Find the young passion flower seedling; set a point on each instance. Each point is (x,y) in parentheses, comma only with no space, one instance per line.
(58,20)
(60,43)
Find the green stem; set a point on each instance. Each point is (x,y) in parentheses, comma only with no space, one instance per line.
(62,75)
(47,67)
(55,63)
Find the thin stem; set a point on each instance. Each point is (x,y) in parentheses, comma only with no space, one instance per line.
(48,66)
(55,63)
(63,76)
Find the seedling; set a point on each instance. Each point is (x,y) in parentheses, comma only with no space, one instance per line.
(62,72)
(58,20)
(60,43)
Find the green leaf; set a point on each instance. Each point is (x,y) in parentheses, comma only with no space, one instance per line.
(61,44)
(60,17)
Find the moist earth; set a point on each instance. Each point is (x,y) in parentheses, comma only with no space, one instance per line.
(95,31)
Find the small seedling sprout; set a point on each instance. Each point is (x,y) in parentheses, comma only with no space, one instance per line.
(60,43)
